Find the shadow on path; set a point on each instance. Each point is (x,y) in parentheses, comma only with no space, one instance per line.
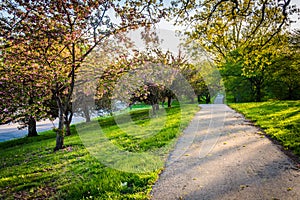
(221,156)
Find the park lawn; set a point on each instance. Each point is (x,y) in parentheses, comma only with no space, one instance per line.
(29,169)
(279,119)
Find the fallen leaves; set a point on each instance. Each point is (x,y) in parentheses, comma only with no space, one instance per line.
(243,186)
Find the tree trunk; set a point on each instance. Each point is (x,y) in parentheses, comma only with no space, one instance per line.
(60,131)
(199,98)
(207,99)
(86,114)
(290,95)
(68,129)
(258,85)
(153,110)
(258,93)
(68,120)
(32,127)
(192,100)
(155,107)
(169,102)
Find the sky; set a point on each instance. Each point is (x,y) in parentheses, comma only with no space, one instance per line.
(167,37)
(296,17)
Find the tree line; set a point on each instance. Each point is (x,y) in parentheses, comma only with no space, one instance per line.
(45,45)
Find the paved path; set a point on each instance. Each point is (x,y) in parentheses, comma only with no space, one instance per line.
(222,156)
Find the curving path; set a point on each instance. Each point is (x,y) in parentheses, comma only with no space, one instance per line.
(223,156)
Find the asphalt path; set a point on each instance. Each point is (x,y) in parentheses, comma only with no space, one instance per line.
(222,156)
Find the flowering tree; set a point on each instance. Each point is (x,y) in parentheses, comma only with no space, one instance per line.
(63,33)
(25,96)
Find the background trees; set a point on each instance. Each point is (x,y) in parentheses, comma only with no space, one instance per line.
(243,38)
(284,82)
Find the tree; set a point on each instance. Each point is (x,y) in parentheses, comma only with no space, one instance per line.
(144,88)
(224,25)
(150,93)
(237,86)
(164,70)
(25,97)
(64,33)
(284,82)
(246,30)
(97,76)
(195,79)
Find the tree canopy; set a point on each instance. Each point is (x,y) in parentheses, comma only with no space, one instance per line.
(59,35)
(45,45)
(244,38)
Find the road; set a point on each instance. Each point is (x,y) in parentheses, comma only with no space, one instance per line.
(11,131)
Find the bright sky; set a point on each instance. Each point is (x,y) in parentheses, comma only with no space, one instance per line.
(296,17)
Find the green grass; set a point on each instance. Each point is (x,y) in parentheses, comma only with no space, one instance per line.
(29,169)
(279,119)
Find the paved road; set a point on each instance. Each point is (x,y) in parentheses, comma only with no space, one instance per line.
(219,99)
(222,156)
(11,131)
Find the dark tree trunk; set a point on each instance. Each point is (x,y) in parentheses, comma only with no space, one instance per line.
(199,98)
(258,93)
(192,100)
(257,89)
(207,99)
(68,120)
(32,127)
(153,110)
(68,129)
(290,94)
(65,106)
(169,102)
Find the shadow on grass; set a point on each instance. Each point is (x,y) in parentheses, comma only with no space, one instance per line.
(29,169)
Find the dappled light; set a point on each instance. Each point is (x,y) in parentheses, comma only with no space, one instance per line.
(134,99)
(243,164)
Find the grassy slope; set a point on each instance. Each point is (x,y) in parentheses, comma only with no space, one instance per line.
(29,168)
(279,119)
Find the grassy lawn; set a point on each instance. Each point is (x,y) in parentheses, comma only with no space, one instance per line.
(279,119)
(29,169)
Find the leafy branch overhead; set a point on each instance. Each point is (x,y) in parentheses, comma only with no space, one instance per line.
(221,25)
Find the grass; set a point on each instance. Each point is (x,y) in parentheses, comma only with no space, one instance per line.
(29,169)
(279,119)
